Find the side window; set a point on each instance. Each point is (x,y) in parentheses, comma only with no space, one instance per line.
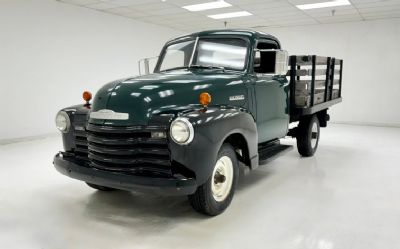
(264,62)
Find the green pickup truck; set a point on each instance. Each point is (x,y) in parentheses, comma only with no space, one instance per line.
(216,100)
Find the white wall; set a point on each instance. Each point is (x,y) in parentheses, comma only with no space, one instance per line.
(371,53)
(51,52)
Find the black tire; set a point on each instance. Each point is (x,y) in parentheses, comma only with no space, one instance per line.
(101,188)
(305,135)
(203,200)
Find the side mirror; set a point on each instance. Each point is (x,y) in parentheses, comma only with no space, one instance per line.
(145,64)
(271,61)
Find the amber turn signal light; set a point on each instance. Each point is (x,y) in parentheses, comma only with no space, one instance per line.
(205,99)
(87,96)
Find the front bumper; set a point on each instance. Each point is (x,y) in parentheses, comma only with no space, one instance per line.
(162,186)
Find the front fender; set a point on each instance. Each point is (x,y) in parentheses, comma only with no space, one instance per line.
(78,116)
(211,128)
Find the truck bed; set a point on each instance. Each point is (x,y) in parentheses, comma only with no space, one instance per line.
(315,84)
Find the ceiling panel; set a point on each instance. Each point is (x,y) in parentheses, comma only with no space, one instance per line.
(101,6)
(81,2)
(132,2)
(119,10)
(344,18)
(333,13)
(374,3)
(135,15)
(267,5)
(266,13)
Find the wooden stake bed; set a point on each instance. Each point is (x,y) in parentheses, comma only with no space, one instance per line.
(315,84)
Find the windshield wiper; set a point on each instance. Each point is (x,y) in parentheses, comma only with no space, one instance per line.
(207,67)
(194,66)
(174,68)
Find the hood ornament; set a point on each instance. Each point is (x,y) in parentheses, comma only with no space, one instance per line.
(109,115)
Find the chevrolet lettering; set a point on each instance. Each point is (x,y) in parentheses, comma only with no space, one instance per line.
(236,97)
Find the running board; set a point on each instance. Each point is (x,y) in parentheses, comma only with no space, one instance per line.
(271,151)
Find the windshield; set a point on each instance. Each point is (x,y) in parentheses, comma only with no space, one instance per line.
(218,53)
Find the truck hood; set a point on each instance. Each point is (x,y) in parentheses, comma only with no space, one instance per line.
(138,99)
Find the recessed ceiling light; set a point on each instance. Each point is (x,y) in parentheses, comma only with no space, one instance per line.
(207,6)
(230,15)
(323,4)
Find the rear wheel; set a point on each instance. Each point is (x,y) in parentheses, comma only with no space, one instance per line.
(101,188)
(308,136)
(214,196)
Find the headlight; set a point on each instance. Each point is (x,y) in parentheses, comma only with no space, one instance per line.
(181,131)
(62,121)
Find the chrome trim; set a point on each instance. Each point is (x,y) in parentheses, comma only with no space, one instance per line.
(146,62)
(281,61)
(189,125)
(68,120)
(193,52)
(236,97)
(109,115)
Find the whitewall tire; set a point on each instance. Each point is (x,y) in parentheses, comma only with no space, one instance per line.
(214,196)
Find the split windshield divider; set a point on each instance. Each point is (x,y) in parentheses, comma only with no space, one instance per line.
(193,52)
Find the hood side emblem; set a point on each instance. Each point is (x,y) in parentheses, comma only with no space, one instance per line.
(109,115)
(236,97)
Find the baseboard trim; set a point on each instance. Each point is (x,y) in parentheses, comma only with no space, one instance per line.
(28,138)
(374,124)
(42,136)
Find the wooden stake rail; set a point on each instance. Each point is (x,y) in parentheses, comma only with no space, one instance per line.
(315,83)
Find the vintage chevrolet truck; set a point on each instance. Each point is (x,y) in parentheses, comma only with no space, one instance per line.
(215,99)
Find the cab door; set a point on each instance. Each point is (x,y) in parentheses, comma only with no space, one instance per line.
(271,94)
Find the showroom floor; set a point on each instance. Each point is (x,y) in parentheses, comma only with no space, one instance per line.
(346,196)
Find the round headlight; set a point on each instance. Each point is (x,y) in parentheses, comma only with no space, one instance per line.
(62,121)
(181,131)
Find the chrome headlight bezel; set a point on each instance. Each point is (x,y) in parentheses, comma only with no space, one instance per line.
(63,122)
(185,123)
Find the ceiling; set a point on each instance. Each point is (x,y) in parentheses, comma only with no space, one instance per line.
(266,13)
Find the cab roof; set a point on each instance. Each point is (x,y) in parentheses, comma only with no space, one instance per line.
(251,34)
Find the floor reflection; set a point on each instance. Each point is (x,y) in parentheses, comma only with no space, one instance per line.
(125,208)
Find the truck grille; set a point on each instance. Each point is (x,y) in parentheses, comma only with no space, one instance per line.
(81,145)
(130,149)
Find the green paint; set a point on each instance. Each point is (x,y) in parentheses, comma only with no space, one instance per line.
(266,97)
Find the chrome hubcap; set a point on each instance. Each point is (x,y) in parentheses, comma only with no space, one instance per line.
(314,135)
(222,178)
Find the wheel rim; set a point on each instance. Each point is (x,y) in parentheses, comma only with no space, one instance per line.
(222,177)
(314,135)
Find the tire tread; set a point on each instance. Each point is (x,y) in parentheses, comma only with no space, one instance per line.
(202,200)
(303,136)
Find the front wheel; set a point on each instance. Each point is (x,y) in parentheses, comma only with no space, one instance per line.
(214,196)
(308,136)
